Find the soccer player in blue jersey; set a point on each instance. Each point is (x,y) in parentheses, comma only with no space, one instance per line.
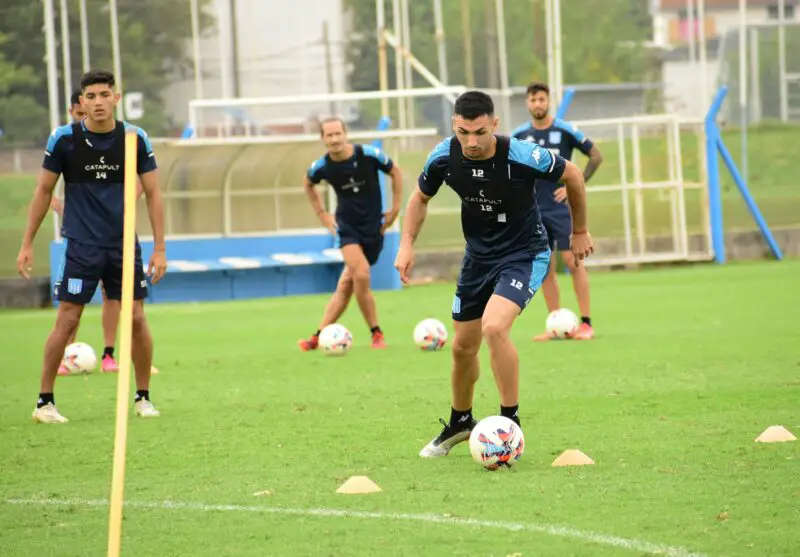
(111,308)
(352,171)
(91,156)
(506,255)
(561,138)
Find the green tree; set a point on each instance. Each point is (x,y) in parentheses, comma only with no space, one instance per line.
(18,114)
(601,40)
(153,38)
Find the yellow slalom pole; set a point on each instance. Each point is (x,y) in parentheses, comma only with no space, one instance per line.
(125,334)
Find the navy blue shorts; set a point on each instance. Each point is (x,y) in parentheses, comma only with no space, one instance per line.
(559,229)
(83,266)
(371,246)
(515,280)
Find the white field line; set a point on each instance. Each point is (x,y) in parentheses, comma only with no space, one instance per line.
(552,530)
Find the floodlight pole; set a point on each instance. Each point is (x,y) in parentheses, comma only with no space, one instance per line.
(85,63)
(503,55)
(782,84)
(743,83)
(441,51)
(701,16)
(116,54)
(383,65)
(398,63)
(67,58)
(198,71)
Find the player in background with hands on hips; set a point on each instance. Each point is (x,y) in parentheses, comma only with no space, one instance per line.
(561,138)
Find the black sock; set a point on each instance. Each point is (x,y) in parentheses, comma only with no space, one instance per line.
(108,351)
(374,330)
(317,333)
(586,319)
(44,399)
(510,412)
(460,417)
(142,395)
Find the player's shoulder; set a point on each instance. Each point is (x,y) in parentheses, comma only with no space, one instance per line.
(568,127)
(139,131)
(372,151)
(522,130)
(317,165)
(440,153)
(528,153)
(56,135)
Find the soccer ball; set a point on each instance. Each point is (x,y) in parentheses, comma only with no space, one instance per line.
(335,340)
(496,441)
(430,334)
(79,357)
(562,323)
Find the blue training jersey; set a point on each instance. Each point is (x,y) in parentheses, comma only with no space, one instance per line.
(560,138)
(359,207)
(499,216)
(93,168)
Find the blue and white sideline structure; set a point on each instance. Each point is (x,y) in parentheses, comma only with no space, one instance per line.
(716,146)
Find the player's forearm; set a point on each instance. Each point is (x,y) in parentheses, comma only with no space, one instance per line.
(315,200)
(595,160)
(155,210)
(397,189)
(416,211)
(42,198)
(576,197)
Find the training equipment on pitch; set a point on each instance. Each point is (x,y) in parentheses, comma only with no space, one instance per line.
(335,340)
(496,442)
(430,334)
(79,357)
(562,323)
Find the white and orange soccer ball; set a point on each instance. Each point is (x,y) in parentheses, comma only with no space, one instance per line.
(79,357)
(335,340)
(562,323)
(496,442)
(430,334)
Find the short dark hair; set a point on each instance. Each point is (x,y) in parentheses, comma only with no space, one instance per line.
(328,121)
(537,86)
(97,77)
(473,104)
(75,98)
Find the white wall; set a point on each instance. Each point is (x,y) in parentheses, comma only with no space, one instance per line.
(280,53)
(682,94)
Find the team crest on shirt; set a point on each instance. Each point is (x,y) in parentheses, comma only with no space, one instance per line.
(554,137)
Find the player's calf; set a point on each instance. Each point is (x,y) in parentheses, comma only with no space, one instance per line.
(142,356)
(580,283)
(466,368)
(496,326)
(466,343)
(69,316)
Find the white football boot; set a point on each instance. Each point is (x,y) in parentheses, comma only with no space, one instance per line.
(448,438)
(48,414)
(145,409)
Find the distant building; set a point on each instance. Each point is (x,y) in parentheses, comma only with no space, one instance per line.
(673,28)
(280,52)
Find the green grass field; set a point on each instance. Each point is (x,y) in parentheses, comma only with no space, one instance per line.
(691,364)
